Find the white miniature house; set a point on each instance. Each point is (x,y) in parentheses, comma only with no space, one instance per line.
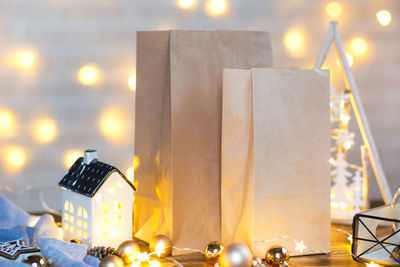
(97,203)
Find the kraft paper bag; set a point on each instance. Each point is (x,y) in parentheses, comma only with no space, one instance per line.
(275,182)
(178,129)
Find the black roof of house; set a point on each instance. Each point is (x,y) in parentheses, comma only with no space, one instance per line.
(87,179)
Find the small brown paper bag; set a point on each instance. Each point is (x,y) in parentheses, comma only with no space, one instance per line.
(178,129)
(275,184)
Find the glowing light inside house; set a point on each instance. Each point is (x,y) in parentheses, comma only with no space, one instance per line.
(349,58)
(88,75)
(359,46)
(15,157)
(45,130)
(294,41)
(334,9)
(129,174)
(216,7)
(7,123)
(112,125)
(384,17)
(186,4)
(132,82)
(372,264)
(71,156)
(25,59)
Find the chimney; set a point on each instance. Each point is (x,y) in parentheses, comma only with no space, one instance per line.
(89,156)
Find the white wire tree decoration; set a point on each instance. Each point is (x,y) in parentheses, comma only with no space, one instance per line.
(349,181)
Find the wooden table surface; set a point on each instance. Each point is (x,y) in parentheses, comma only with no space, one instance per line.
(339,256)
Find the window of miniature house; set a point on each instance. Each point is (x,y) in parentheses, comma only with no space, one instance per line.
(68,216)
(82,223)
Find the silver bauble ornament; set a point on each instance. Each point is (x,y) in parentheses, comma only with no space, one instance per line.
(236,255)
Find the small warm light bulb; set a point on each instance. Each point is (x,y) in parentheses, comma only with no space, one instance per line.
(7,123)
(216,7)
(129,174)
(45,130)
(345,118)
(384,17)
(294,41)
(334,9)
(15,157)
(300,247)
(88,75)
(186,4)
(350,238)
(349,60)
(60,232)
(347,145)
(70,157)
(154,263)
(359,46)
(372,264)
(25,59)
(132,82)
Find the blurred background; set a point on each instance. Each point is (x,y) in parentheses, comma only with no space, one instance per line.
(67,75)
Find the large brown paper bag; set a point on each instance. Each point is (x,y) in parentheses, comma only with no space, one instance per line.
(178,129)
(275,182)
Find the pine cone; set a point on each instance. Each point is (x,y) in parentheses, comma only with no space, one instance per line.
(101,252)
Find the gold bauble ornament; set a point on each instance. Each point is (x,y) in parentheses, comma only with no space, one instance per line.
(128,250)
(277,256)
(111,261)
(236,255)
(213,251)
(161,245)
(36,260)
(257,262)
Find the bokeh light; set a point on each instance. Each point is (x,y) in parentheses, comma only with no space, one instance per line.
(359,46)
(71,156)
(216,7)
(14,157)
(384,17)
(88,75)
(113,125)
(294,41)
(129,174)
(45,130)
(136,162)
(7,123)
(350,60)
(334,9)
(186,4)
(132,82)
(25,59)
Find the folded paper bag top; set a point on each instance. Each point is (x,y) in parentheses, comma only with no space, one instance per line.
(275,159)
(178,128)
